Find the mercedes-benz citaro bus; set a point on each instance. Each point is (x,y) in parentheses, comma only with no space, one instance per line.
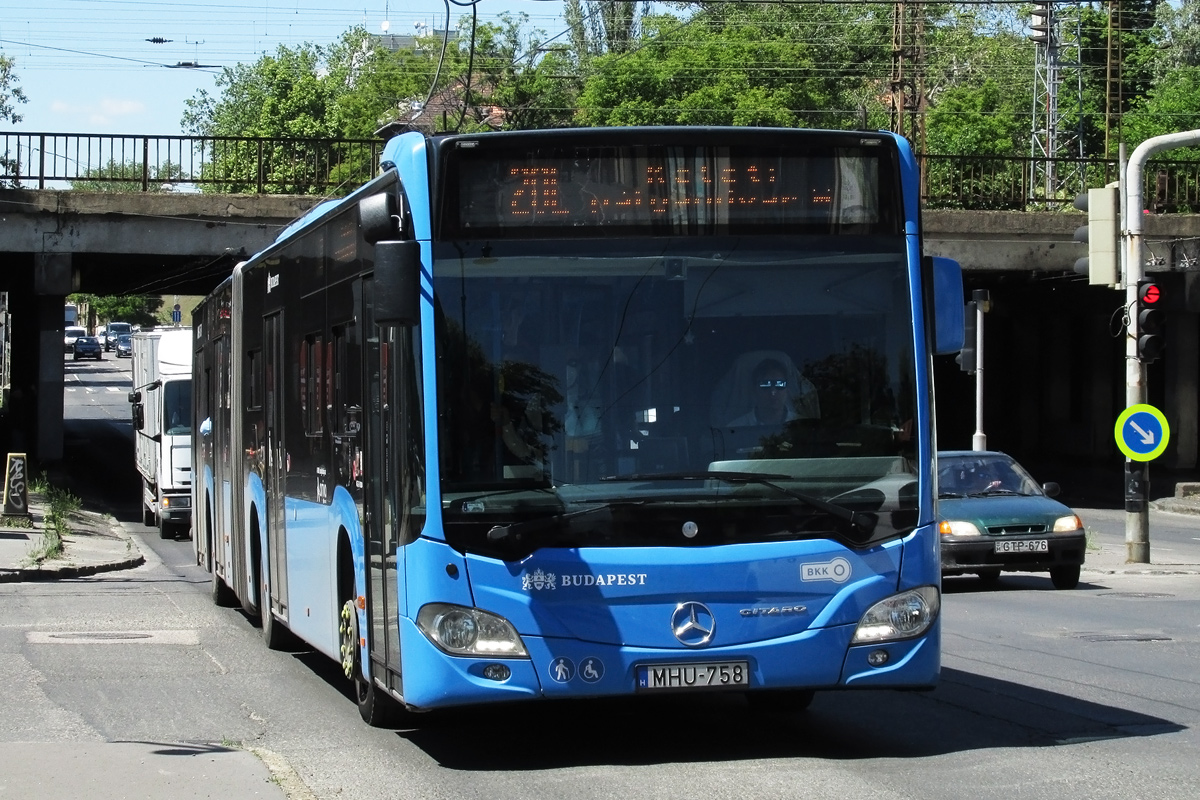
(587,413)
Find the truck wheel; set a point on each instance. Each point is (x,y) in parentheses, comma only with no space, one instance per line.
(166,530)
(147,517)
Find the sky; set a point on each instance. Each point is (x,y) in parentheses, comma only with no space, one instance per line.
(86,66)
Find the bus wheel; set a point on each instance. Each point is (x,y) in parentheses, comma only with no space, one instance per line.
(273,633)
(374,706)
(222,595)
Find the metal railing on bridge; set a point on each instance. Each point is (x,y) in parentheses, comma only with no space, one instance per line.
(229,164)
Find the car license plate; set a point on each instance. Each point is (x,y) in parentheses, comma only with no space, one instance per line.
(1023,546)
(703,675)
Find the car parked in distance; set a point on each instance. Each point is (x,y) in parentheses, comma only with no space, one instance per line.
(993,517)
(88,347)
(124,346)
(70,334)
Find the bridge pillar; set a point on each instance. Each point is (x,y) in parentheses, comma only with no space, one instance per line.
(53,279)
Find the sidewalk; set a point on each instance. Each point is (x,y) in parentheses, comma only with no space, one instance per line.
(106,770)
(96,543)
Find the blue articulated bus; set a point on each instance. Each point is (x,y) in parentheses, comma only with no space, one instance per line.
(587,413)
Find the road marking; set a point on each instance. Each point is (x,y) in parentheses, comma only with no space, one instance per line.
(185,637)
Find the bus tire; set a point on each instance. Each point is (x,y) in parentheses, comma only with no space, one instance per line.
(222,595)
(274,634)
(376,708)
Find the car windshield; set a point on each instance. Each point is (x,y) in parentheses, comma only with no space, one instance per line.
(637,376)
(981,475)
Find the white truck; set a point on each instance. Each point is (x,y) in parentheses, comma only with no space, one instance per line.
(162,426)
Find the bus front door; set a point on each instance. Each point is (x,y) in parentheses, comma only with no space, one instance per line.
(276,465)
(381,517)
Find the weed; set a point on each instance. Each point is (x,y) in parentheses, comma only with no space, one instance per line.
(39,483)
(61,505)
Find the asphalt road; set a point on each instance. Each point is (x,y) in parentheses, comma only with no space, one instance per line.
(1090,693)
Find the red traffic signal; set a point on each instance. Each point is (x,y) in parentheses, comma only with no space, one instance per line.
(1148,294)
(1150,321)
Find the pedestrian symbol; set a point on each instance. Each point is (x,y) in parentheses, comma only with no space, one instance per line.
(562,670)
(1142,432)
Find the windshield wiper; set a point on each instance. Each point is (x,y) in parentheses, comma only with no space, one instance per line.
(861,521)
(539,488)
(525,534)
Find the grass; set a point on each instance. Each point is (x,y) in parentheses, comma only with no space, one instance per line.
(60,505)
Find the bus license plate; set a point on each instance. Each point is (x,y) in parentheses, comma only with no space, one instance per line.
(705,675)
(1023,546)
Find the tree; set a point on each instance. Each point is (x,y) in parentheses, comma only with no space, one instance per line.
(284,96)
(135,309)
(127,177)
(732,64)
(10,96)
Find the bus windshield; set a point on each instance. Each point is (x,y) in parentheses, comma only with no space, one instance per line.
(608,375)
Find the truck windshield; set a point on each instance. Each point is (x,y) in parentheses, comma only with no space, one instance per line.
(177,408)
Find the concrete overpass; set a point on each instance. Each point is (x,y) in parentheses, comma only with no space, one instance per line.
(1054,356)
(54,243)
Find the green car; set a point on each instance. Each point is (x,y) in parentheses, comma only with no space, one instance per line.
(994,518)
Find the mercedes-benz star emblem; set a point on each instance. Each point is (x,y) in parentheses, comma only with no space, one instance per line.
(693,624)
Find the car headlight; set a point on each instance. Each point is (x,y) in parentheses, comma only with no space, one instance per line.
(463,631)
(901,616)
(1070,523)
(956,527)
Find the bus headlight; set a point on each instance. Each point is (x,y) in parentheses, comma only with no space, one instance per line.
(463,631)
(901,616)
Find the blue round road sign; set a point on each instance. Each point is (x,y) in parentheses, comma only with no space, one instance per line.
(1142,432)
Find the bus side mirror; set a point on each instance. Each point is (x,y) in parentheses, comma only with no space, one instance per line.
(379,216)
(139,416)
(948,314)
(397,289)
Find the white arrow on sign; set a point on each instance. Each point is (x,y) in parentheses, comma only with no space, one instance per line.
(1147,436)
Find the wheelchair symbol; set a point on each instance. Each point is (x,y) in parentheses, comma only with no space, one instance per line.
(592,669)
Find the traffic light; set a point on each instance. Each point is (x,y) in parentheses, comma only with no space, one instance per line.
(1150,321)
(1102,235)
(966,357)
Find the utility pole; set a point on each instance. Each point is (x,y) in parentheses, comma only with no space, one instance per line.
(982,301)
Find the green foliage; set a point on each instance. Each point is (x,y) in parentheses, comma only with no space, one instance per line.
(10,92)
(10,96)
(136,309)
(127,177)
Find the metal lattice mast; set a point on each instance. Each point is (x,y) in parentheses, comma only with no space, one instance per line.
(1056,143)
(908,72)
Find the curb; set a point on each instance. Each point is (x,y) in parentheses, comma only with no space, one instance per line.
(33,574)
